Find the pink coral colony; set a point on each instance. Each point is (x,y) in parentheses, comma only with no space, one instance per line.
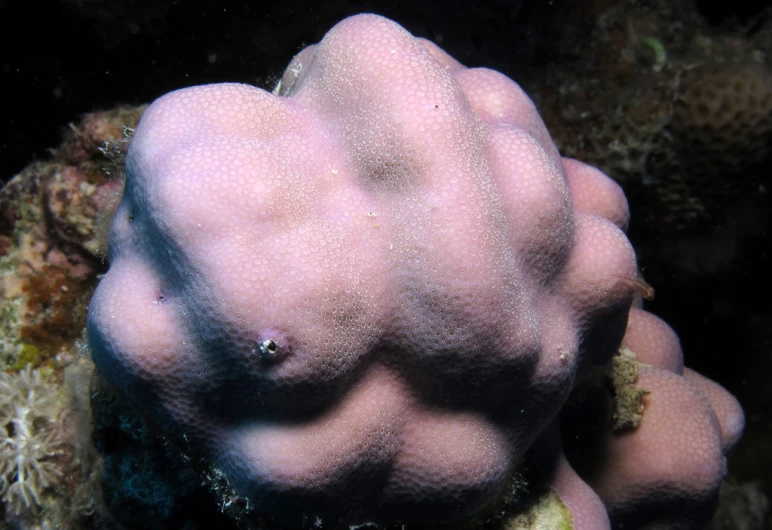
(368,296)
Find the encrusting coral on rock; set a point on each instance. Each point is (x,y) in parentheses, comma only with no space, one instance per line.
(50,248)
(676,110)
(369,296)
(51,245)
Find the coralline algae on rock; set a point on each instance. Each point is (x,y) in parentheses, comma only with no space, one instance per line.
(368,295)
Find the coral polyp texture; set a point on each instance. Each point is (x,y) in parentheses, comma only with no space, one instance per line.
(368,295)
(30,443)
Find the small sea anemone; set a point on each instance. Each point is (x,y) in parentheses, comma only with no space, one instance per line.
(29,443)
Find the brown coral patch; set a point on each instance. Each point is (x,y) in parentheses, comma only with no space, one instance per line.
(723,116)
(58,305)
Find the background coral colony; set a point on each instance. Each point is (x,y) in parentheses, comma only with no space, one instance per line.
(462,290)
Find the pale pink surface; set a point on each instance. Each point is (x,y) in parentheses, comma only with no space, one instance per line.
(727,408)
(653,341)
(402,229)
(594,192)
(666,472)
(671,463)
(587,509)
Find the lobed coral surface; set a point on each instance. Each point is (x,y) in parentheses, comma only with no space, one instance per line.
(368,295)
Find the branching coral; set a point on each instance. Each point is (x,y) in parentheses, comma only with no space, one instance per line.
(29,444)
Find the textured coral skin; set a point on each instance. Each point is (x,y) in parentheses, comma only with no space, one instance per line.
(369,294)
(666,473)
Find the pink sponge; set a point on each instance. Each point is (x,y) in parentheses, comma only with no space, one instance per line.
(368,294)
